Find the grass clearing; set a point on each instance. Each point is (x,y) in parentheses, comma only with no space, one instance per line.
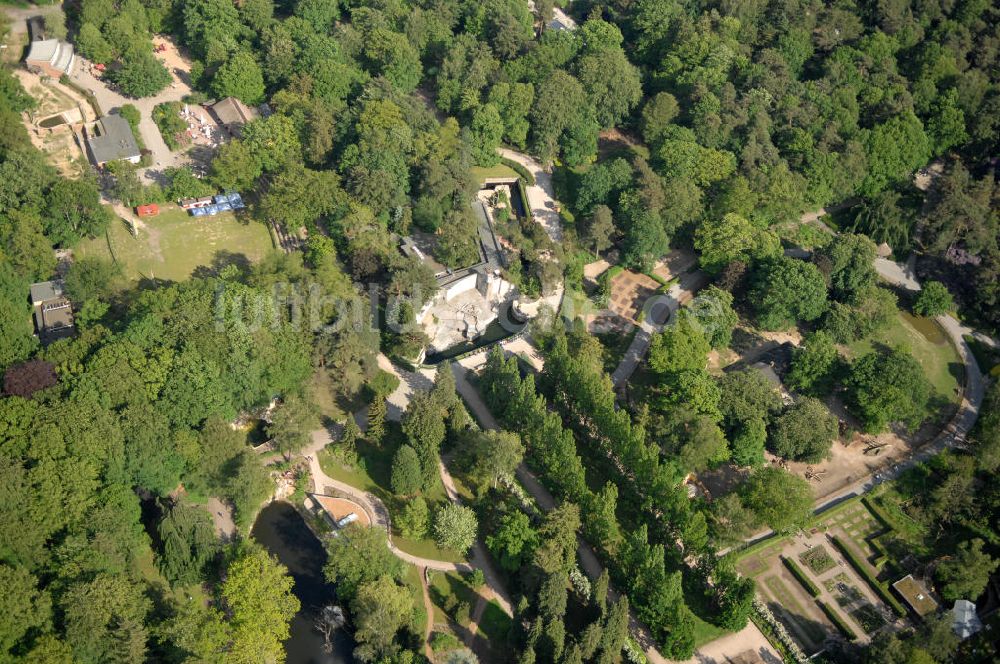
(480,173)
(706,632)
(173,244)
(928,344)
(452,598)
(495,625)
(372,474)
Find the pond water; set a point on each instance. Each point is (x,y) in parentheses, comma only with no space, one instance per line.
(928,327)
(283,532)
(502,327)
(54,121)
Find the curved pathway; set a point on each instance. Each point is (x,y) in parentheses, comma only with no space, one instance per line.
(541,195)
(379,516)
(658,309)
(953,434)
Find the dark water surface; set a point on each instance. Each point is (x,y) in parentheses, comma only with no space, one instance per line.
(282,531)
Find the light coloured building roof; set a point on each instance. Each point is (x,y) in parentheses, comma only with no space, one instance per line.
(52,52)
(114,142)
(965,621)
(338,508)
(232,113)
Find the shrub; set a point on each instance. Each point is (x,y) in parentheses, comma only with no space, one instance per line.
(800,576)
(933,300)
(170,123)
(835,618)
(519,169)
(442,641)
(476,578)
(866,574)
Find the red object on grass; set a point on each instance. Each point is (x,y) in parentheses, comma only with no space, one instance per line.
(147,210)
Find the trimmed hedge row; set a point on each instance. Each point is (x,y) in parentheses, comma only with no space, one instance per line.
(519,169)
(524,199)
(800,576)
(837,620)
(862,569)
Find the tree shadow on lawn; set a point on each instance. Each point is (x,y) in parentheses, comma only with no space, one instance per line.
(220,261)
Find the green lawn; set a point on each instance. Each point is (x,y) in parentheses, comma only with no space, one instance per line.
(928,344)
(174,244)
(479,173)
(411,578)
(446,590)
(495,624)
(706,632)
(372,475)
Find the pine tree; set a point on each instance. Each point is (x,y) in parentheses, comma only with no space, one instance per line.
(351,433)
(376,420)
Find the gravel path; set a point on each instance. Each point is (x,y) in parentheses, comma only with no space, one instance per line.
(658,310)
(109,99)
(541,195)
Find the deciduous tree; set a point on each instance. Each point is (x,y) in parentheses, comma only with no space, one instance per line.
(780,500)
(455,527)
(804,432)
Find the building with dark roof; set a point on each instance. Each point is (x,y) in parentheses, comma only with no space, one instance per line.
(36,28)
(53,313)
(232,114)
(113,141)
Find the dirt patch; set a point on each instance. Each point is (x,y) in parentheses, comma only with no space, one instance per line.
(674,264)
(629,291)
(595,269)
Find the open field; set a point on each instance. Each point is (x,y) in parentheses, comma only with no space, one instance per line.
(480,173)
(172,245)
(929,345)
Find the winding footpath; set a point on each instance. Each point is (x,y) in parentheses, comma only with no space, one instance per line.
(954,433)
(658,309)
(748,638)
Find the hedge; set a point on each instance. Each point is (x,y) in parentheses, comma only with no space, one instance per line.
(519,169)
(800,576)
(835,618)
(524,199)
(862,569)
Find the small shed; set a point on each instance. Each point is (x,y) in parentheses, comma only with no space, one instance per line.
(148,210)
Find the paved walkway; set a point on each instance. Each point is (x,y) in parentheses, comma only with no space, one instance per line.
(109,99)
(658,310)
(541,195)
(222,518)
